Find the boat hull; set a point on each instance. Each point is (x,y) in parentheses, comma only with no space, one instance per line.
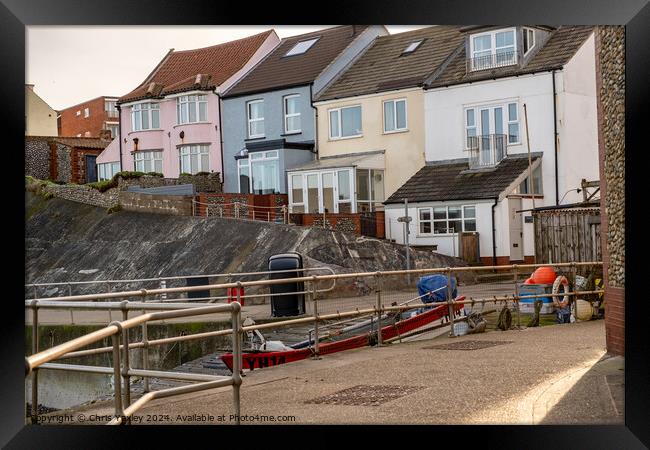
(260,360)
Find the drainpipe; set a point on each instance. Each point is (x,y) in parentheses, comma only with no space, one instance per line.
(311,103)
(557,184)
(494,234)
(119,118)
(223,162)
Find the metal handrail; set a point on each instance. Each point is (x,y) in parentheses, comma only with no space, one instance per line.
(486,150)
(491,61)
(115,329)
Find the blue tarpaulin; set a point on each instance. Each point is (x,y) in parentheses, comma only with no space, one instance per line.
(430,283)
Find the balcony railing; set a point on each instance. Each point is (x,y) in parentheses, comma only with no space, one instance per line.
(491,61)
(486,150)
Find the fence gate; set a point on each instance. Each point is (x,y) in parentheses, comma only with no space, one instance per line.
(469,247)
(368,221)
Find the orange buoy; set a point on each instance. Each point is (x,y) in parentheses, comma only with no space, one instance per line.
(529,281)
(544,275)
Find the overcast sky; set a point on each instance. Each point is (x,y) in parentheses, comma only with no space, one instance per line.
(71,64)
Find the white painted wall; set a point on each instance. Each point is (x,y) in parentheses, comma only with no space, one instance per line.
(447,244)
(578,123)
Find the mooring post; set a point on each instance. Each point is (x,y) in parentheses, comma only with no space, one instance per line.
(35,370)
(450,303)
(125,363)
(378,286)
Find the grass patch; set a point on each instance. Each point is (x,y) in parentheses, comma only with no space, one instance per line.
(114,209)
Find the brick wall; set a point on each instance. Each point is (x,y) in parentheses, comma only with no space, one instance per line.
(71,125)
(78,163)
(253,206)
(179,205)
(610,84)
(344,222)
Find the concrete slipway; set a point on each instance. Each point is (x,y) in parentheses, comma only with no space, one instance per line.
(523,380)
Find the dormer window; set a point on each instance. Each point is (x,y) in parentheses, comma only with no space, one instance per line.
(413,46)
(491,49)
(301,47)
(529,40)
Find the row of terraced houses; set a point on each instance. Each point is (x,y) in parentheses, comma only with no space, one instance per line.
(351,119)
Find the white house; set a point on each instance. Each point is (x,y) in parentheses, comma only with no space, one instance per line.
(477,139)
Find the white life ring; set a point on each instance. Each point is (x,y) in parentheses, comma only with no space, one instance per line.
(560,280)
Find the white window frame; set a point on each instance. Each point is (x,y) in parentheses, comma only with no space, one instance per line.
(193,102)
(530,32)
(413,46)
(372,200)
(288,116)
(250,120)
(493,47)
(406,115)
(86,113)
(505,106)
(106,171)
(432,220)
(340,122)
(194,149)
(148,155)
(319,175)
(243,162)
(139,108)
(268,155)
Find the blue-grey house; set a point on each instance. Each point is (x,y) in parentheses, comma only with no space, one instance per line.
(268,120)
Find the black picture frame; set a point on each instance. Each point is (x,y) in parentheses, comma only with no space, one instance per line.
(15,15)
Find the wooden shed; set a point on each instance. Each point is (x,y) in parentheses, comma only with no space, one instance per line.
(567,233)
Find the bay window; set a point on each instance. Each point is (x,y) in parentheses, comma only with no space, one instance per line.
(244,172)
(148,161)
(394,115)
(145,116)
(292,114)
(345,122)
(195,158)
(192,109)
(265,170)
(255,114)
(329,191)
(107,171)
(446,219)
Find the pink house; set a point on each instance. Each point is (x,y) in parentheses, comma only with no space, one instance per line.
(171,122)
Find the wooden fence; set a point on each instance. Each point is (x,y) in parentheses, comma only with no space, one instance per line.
(567,235)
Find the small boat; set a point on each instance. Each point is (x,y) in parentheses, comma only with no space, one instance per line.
(398,324)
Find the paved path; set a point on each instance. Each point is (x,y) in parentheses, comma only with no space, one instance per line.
(525,379)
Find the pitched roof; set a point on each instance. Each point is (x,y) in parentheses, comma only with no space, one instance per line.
(82,142)
(202,68)
(451,180)
(277,70)
(385,67)
(560,47)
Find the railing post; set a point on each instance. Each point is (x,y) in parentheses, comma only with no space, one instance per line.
(515,271)
(573,298)
(163,285)
(378,287)
(71,313)
(117,382)
(237,357)
(314,299)
(34,412)
(450,303)
(125,363)
(145,351)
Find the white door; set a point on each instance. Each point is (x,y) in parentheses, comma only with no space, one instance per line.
(491,126)
(516,230)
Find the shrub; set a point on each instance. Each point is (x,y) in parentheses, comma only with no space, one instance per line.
(202,173)
(103,186)
(127,175)
(114,208)
(47,195)
(29,179)
(155,174)
(185,174)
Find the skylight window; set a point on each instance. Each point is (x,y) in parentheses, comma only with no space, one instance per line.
(412,46)
(301,47)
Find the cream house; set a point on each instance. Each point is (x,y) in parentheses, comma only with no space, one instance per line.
(370,125)
(40,118)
